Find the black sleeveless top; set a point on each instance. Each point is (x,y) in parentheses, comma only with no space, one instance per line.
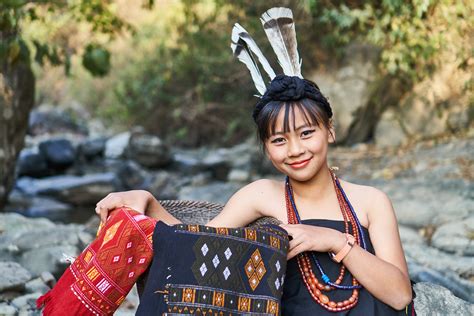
(296,299)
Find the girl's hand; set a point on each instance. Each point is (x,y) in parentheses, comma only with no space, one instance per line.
(135,199)
(313,238)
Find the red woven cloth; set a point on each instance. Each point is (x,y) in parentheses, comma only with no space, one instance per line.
(103,274)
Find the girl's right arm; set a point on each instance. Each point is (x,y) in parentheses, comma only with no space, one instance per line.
(241,209)
(140,200)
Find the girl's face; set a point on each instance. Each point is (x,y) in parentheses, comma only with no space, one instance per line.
(301,152)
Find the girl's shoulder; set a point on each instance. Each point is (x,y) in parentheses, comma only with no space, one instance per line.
(266,186)
(371,200)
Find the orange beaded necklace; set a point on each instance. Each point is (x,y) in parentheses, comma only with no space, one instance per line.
(314,286)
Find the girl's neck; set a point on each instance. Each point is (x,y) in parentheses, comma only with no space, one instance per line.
(320,183)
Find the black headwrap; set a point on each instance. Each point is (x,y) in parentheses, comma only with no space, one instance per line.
(287,88)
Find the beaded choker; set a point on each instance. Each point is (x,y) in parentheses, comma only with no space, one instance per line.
(352,226)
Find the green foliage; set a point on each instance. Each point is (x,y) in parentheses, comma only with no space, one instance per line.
(191,83)
(96,60)
(95,13)
(411,34)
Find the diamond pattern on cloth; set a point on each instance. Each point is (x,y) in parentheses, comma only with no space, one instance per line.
(201,270)
(103,274)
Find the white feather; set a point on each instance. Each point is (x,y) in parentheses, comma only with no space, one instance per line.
(238,32)
(243,55)
(280,29)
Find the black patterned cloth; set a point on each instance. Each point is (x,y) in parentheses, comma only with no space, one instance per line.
(201,270)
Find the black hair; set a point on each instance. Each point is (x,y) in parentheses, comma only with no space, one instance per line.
(314,114)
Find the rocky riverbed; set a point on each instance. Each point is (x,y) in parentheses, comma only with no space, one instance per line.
(62,176)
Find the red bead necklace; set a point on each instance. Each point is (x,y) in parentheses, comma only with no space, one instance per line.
(314,286)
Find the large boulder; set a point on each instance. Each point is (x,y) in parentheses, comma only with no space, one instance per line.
(36,206)
(59,153)
(47,119)
(435,106)
(432,299)
(349,86)
(50,258)
(148,150)
(456,237)
(12,276)
(76,190)
(32,163)
(93,148)
(116,146)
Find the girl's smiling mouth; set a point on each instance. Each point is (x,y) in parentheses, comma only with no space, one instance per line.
(300,164)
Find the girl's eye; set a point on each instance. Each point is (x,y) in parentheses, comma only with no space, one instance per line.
(278,140)
(307,132)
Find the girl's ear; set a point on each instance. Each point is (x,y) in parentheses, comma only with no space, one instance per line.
(332,133)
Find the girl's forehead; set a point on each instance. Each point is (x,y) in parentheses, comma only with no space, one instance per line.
(296,118)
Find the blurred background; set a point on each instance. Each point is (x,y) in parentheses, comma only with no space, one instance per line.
(98,96)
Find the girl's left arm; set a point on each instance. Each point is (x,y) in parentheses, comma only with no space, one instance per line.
(385,274)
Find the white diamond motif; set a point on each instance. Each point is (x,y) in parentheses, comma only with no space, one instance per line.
(277,284)
(215,261)
(204,249)
(277,265)
(226,273)
(203,269)
(227,253)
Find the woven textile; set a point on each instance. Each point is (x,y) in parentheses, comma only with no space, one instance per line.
(100,278)
(201,270)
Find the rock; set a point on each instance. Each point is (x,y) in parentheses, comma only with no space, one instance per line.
(148,150)
(48,279)
(84,239)
(49,258)
(12,276)
(459,119)
(93,148)
(434,300)
(76,190)
(60,235)
(32,163)
(32,206)
(216,192)
(456,237)
(410,236)
(14,225)
(116,146)
(389,132)
(133,177)
(164,186)
(7,310)
(416,201)
(27,301)
(237,175)
(438,260)
(59,153)
(349,86)
(448,279)
(217,163)
(52,120)
(425,111)
(36,286)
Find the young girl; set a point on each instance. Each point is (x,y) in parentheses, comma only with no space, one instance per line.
(365,272)
(296,134)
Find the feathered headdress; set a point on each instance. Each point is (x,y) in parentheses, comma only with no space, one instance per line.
(280,29)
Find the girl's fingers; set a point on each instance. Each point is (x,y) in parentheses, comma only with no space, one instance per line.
(296,250)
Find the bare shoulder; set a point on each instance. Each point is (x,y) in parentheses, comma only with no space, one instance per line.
(267,195)
(374,202)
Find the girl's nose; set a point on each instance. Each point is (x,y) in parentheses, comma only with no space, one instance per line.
(295,149)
